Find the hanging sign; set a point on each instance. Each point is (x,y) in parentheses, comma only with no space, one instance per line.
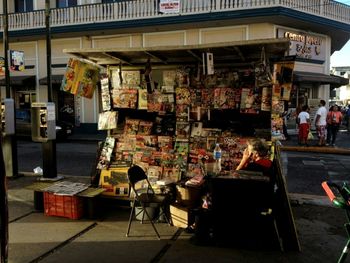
(16,60)
(169,6)
(304,45)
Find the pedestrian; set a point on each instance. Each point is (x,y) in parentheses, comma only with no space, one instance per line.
(321,123)
(334,119)
(304,125)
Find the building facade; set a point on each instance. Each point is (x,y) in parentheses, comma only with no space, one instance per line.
(315,30)
(341,95)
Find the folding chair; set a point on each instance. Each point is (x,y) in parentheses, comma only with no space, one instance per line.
(145,197)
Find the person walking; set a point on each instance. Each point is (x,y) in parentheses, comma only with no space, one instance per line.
(334,119)
(321,123)
(304,125)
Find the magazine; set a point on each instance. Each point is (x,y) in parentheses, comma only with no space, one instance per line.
(106,153)
(142,102)
(183,95)
(107,120)
(124,98)
(131,126)
(183,130)
(105,94)
(169,78)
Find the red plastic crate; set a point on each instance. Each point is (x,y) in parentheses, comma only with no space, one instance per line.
(63,205)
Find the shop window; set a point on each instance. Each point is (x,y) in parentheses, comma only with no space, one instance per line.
(66,3)
(23,6)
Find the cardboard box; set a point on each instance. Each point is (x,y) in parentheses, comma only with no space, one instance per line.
(181,216)
(188,196)
(115,181)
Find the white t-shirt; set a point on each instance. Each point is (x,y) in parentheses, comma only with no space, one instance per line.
(322,111)
(303,117)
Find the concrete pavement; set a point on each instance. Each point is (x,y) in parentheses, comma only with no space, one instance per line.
(35,237)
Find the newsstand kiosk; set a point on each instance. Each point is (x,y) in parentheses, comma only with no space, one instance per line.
(166,108)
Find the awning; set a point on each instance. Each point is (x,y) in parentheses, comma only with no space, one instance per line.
(19,81)
(55,80)
(310,77)
(233,53)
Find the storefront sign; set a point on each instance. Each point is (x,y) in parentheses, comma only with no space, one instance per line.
(303,45)
(169,6)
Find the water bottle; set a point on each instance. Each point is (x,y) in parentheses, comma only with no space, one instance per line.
(217,157)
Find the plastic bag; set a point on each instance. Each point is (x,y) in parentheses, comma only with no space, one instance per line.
(310,136)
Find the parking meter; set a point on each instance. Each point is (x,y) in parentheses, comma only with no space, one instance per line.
(43,121)
(7,117)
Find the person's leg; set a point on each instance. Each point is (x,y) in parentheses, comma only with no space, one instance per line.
(329,134)
(334,133)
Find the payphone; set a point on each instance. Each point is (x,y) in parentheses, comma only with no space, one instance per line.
(43,121)
(7,117)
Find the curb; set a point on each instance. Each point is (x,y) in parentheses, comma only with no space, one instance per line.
(316,149)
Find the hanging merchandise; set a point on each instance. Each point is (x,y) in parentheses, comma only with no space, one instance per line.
(105,94)
(142,99)
(169,78)
(106,153)
(16,60)
(80,78)
(183,95)
(124,98)
(263,76)
(250,100)
(277,127)
(266,98)
(154,101)
(108,120)
(283,78)
(148,77)
(208,63)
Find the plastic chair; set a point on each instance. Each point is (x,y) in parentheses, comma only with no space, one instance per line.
(145,197)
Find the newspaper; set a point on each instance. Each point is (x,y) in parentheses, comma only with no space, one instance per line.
(66,188)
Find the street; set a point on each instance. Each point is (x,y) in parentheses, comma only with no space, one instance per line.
(73,157)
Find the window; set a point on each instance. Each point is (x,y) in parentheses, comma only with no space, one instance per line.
(110,1)
(23,6)
(66,3)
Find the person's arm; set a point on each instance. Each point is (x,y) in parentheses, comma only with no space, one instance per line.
(317,118)
(245,160)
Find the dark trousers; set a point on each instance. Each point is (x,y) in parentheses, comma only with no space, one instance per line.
(332,131)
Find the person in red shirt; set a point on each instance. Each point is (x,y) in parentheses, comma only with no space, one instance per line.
(334,119)
(256,158)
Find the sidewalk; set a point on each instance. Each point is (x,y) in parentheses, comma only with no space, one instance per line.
(342,145)
(35,237)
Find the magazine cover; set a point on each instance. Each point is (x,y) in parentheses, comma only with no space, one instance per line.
(182,78)
(124,98)
(277,105)
(250,101)
(196,129)
(183,95)
(183,129)
(169,78)
(276,128)
(207,98)
(70,76)
(145,127)
(182,112)
(168,89)
(131,126)
(165,143)
(196,97)
(266,99)
(167,104)
(154,172)
(195,169)
(171,174)
(142,102)
(107,120)
(286,89)
(106,153)
(131,79)
(154,101)
(105,94)
(87,80)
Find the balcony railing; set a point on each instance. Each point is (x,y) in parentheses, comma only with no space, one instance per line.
(145,9)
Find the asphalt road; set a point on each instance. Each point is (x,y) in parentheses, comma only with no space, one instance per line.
(304,171)
(73,157)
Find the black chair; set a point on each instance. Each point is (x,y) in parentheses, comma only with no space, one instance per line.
(145,197)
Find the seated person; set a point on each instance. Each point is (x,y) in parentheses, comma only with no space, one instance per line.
(256,158)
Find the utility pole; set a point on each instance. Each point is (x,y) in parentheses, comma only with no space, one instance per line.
(49,147)
(6,141)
